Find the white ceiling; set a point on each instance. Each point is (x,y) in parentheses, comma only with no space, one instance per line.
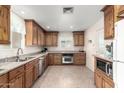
(51,17)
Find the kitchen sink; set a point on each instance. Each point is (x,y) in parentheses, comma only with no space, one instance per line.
(1,69)
(25,59)
(21,59)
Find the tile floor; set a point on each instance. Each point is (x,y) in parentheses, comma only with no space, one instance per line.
(66,77)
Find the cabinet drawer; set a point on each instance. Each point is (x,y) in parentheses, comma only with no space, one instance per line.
(15,72)
(4,81)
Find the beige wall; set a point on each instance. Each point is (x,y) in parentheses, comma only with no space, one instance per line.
(92,47)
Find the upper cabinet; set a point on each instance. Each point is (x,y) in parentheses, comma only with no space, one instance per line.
(78,38)
(34,33)
(120,10)
(109,22)
(4,24)
(112,14)
(51,38)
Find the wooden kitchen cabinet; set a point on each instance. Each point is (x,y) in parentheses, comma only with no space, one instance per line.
(4,81)
(78,38)
(17,82)
(108,22)
(4,24)
(34,33)
(57,59)
(29,77)
(79,58)
(120,10)
(98,80)
(102,81)
(51,38)
(48,39)
(51,58)
(16,78)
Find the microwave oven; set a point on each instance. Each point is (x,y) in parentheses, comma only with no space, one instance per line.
(105,66)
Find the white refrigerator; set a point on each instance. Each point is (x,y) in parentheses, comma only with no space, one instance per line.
(118,55)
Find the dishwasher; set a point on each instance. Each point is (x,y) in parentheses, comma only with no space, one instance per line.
(41,65)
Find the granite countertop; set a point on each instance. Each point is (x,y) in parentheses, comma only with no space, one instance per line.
(65,52)
(103,57)
(8,66)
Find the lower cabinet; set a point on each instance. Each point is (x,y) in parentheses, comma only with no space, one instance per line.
(102,81)
(79,58)
(16,78)
(98,80)
(17,82)
(31,73)
(4,81)
(29,77)
(55,58)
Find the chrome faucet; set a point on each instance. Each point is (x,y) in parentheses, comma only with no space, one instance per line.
(18,54)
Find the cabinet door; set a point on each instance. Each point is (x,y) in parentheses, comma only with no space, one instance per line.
(42,38)
(98,80)
(109,22)
(51,59)
(57,59)
(79,58)
(120,9)
(17,82)
(81,39)
(36,70)
(4,81)
(107,83)
(29,77)
(76,39)
(4,25)
(54,39)
(35,34)
(48,39)
(39,36)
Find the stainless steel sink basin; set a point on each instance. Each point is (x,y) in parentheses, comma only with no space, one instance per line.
(25,59)
(1,69)
(21,59)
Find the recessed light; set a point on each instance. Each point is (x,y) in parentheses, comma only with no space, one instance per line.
(48,27)
(71,26)
(22,12)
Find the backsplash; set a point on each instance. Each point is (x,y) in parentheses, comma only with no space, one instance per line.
(9,52)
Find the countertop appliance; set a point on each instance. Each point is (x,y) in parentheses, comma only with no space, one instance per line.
(118,54)
(105,66)
(67,58)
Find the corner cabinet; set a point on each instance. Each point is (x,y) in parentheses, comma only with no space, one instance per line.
(34,34)
(4,24)
(51,39)
(78,38)
(108,21)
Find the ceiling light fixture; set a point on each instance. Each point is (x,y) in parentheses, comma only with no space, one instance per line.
(71,27)
(22,12)
(48,27)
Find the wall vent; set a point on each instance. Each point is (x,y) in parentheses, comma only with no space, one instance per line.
(68,10)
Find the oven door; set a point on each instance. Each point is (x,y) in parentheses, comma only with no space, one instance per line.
(67,59)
